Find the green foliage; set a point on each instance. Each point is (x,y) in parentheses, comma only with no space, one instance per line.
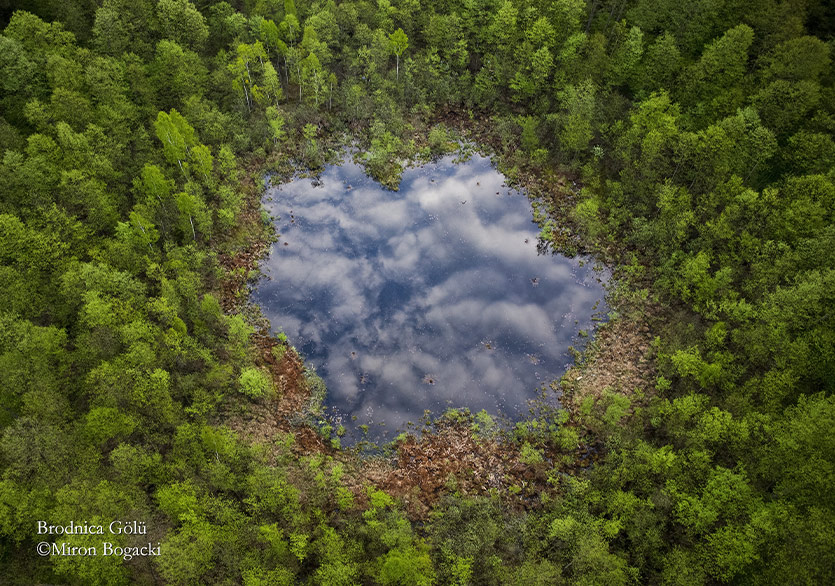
(181,22)
(440,141)
(254,382)
(618,407)
(398,43)
(529,455)
(578,103)
(382,159)
(312,156)
(406,567)
(704,139)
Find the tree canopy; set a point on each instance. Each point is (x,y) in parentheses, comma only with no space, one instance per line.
(697,139)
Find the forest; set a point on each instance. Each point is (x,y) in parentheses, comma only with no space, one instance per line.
(689,145)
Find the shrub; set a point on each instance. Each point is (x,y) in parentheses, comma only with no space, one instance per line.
(254,382)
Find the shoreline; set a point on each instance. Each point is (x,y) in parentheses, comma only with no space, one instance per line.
(450,455)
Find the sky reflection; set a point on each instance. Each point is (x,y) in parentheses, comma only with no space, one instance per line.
(426,298)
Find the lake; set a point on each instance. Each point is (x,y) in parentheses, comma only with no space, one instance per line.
(423,299)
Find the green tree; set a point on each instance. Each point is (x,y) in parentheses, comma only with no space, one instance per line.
(276,120)
(181,22)
(176,136)
(243,67)
(578,103)
(408,566)
(398,43)
(124,25)
(177,74)
(272,84)
(624,62)
(313,77)
(713,82)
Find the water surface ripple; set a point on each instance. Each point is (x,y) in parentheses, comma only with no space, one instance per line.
(427,298)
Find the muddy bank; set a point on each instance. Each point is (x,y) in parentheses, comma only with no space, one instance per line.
(452,455)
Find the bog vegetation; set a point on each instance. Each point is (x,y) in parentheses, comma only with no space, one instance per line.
(700,135)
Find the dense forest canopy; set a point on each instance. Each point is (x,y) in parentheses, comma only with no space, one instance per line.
(700,135)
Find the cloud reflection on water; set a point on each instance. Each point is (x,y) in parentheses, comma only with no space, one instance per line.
(416,284)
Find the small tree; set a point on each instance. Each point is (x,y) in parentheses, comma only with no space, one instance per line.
(254,382)
(176,135)
(276,121)
(311,146)
(398,42)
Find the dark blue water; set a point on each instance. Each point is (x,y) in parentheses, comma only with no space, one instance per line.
(427,298)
